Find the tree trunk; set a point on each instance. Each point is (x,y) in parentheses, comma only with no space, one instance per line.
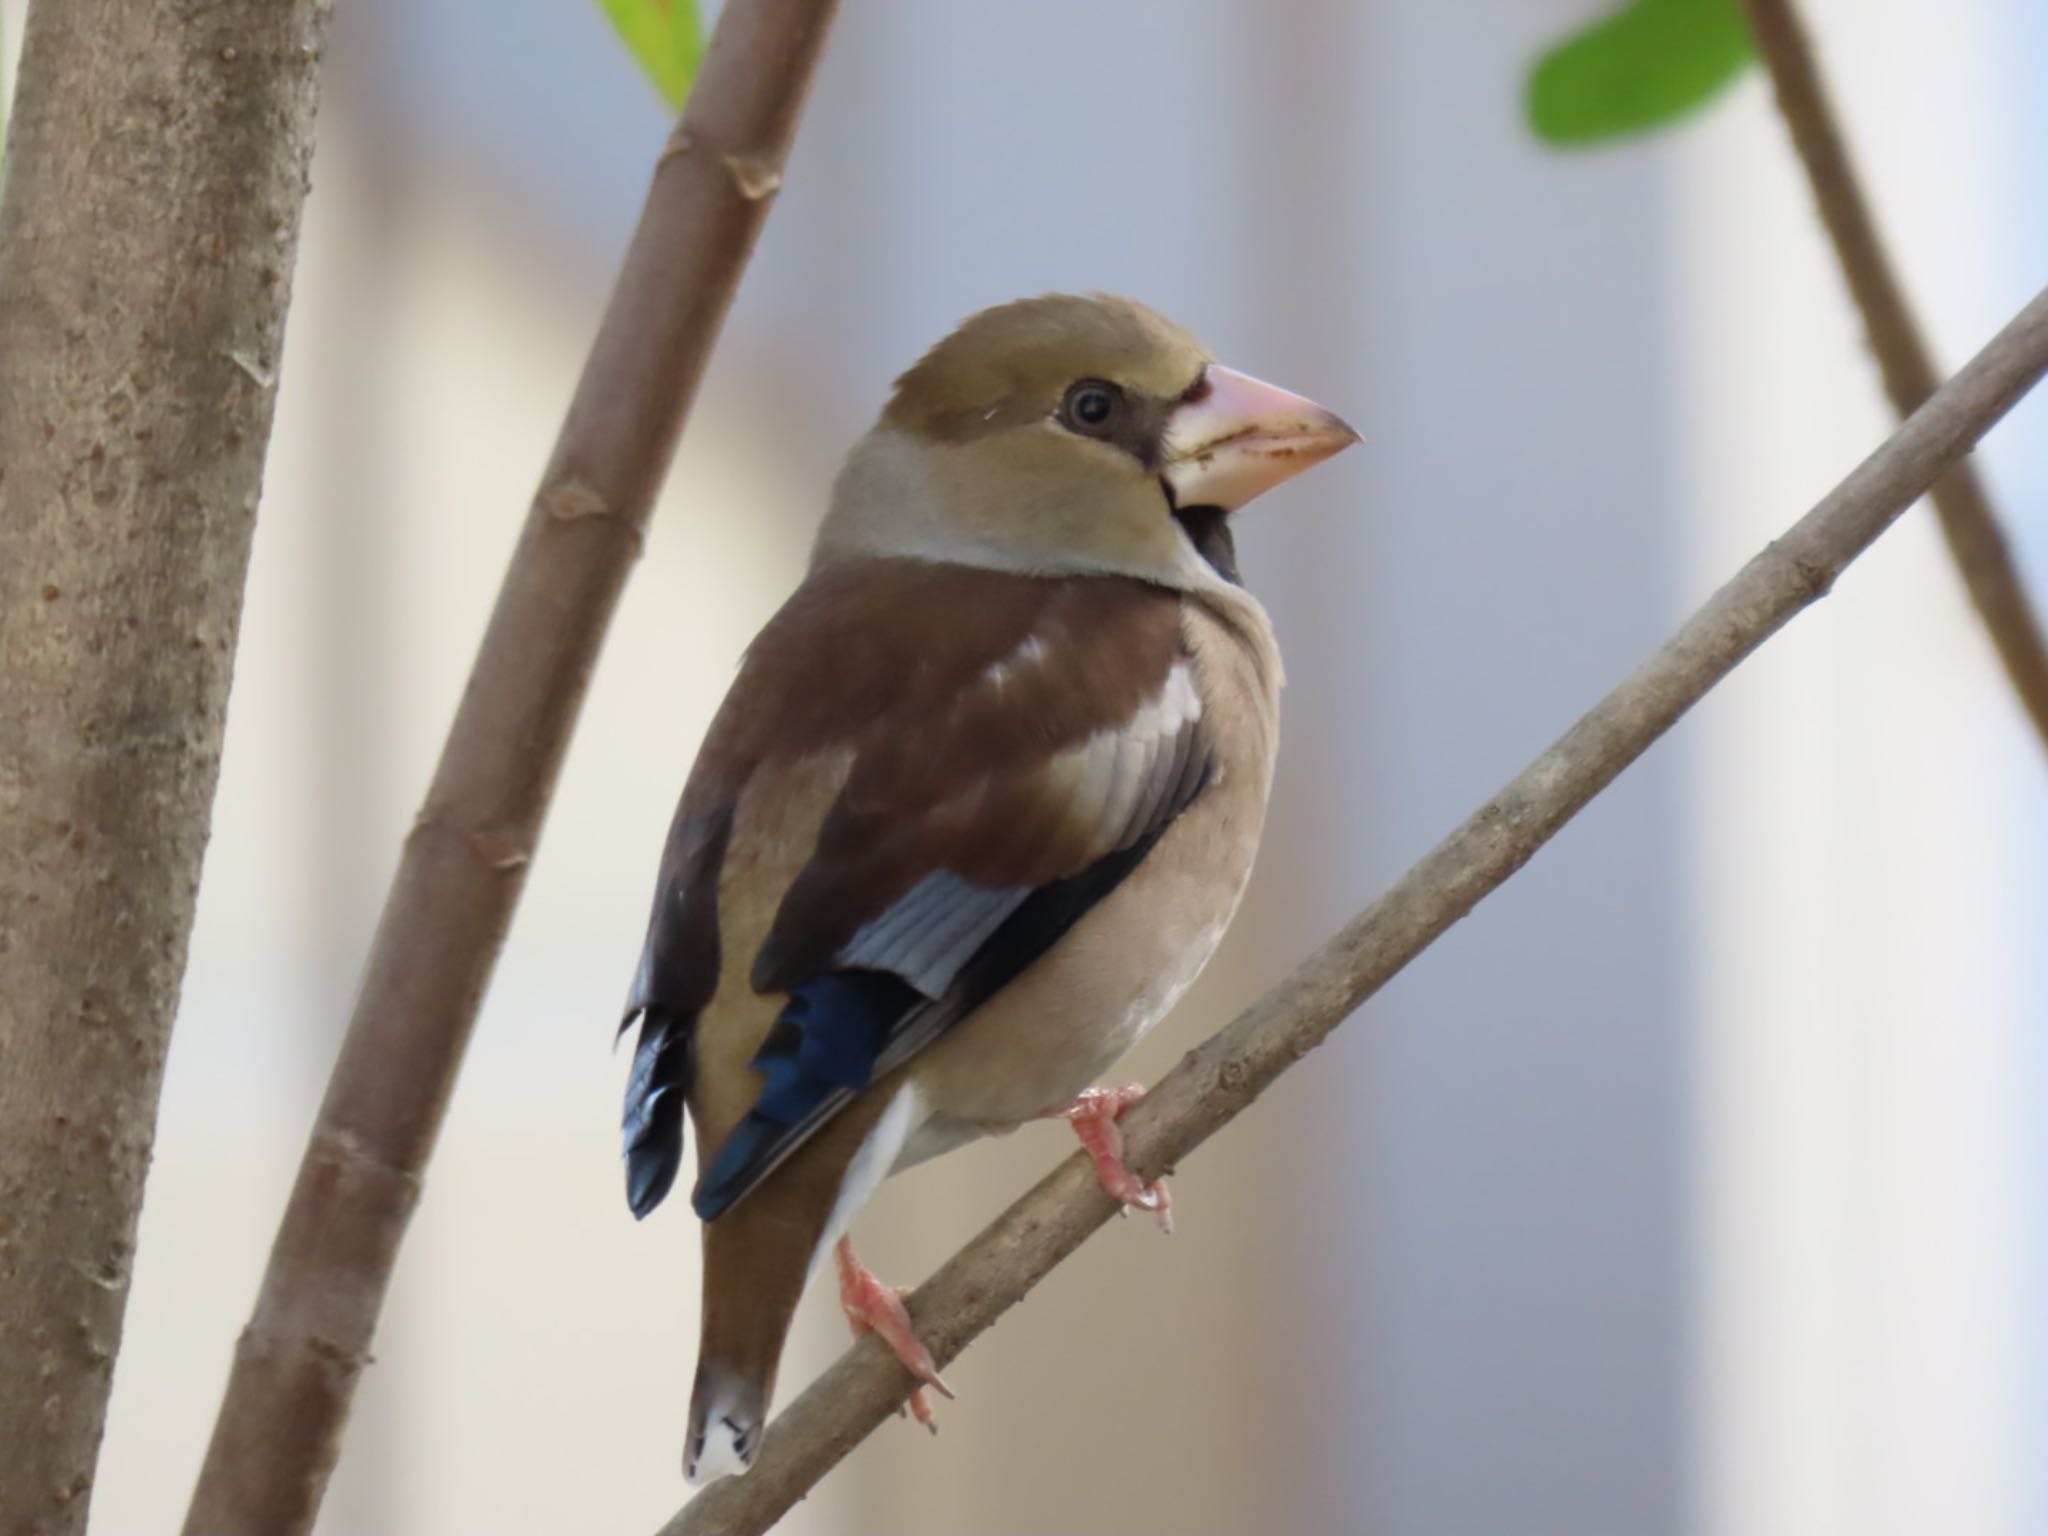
(149,214)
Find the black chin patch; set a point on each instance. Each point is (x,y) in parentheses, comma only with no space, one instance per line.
(1208,529)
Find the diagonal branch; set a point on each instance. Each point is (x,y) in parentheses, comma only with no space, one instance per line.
(1968,520)
(464,865)
(1218,1081)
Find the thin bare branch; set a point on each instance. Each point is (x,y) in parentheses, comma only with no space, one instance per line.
(1968,521)
(464,865)
(1217,1081)
(149,216)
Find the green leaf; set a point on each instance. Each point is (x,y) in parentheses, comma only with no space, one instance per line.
(667,38)
(1646,65)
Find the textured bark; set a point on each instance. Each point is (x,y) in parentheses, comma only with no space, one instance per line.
(155,171)
(1219,1079)
(1976,540)
(298,1361)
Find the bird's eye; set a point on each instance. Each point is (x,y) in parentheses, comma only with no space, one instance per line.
(1090,406)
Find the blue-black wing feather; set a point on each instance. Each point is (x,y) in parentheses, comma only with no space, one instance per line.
(678,973)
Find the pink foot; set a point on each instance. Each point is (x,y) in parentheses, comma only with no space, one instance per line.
(1094,1117)
(872,1307)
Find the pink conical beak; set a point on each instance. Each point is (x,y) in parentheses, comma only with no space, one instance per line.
(1239,436)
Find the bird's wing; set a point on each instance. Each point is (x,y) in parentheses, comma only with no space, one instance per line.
(942,872)
(1017,768)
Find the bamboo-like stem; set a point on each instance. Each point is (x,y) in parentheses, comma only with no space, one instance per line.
(1217,1081)
(1968,521)
(298,1361)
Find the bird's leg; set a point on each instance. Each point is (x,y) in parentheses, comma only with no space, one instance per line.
(873,1307)
(1094,1115)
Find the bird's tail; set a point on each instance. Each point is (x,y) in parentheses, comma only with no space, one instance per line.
(756,1259)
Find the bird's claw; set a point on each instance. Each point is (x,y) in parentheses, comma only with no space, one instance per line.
(873,1307)
(1094,1115)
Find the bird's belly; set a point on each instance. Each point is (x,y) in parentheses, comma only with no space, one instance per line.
(1063,1023)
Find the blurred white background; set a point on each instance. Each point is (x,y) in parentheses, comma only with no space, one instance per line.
(1693,1185)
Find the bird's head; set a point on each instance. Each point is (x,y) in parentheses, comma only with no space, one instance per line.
(1072,435)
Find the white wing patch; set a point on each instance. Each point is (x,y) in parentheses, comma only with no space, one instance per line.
(1028,654)
(1176,706)
(1134,768)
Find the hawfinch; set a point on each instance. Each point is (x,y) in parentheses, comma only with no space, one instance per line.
(975,812)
